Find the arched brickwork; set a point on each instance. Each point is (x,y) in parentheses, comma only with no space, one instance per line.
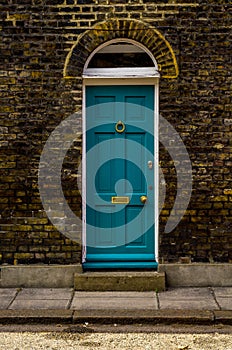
(130,29)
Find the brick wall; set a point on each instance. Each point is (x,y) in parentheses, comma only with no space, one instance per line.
(37,36)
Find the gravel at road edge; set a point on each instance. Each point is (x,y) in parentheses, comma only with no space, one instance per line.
(106,341)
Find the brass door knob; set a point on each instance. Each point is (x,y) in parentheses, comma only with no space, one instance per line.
(143,199)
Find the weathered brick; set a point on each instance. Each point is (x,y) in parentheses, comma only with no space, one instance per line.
(37,36)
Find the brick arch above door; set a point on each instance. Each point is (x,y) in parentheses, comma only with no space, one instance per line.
(125,29)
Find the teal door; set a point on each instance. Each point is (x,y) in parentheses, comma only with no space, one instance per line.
(120,177)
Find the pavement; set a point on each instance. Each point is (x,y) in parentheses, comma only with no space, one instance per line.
(210,305)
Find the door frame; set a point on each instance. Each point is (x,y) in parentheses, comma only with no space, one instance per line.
(128,76)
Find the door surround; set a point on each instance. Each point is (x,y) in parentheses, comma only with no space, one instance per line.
(122,76)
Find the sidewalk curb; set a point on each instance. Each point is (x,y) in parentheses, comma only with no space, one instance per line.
(223,316)
(145,317)
(36,316)
(167,316)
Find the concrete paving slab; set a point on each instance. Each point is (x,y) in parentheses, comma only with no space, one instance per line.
(188,293)
(5,303)
(225,303)
(224,297)
(188,298)
(39,304)
(45,293)
(114,300)
(7,295)
(8,292)
(223,292)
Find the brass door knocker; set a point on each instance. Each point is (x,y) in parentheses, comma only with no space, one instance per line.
(120,126)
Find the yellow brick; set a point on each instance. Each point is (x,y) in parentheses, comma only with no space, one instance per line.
(227,191)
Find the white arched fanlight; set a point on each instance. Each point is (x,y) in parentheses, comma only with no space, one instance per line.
(121,46)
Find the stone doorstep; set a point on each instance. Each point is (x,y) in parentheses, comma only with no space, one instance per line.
(120,281)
